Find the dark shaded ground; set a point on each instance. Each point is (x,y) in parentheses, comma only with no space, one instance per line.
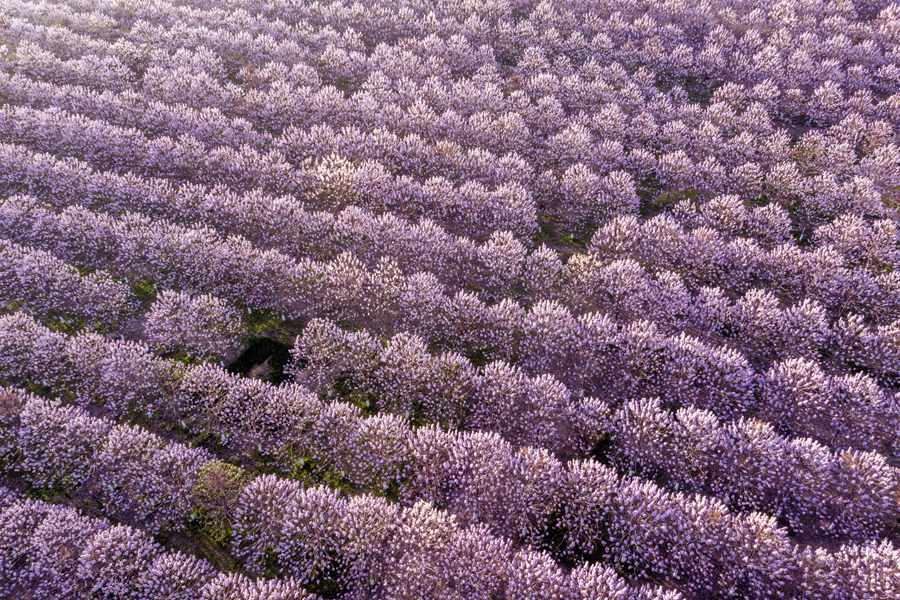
(262,358)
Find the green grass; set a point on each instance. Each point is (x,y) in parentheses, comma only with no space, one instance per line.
(145,290)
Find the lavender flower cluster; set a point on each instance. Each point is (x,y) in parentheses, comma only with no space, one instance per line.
(589,352)
(594,299)
(523,494)
(365,545)
(203,326)
(52,552)
(49,287)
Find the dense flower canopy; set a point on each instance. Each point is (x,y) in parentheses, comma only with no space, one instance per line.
(442,299)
